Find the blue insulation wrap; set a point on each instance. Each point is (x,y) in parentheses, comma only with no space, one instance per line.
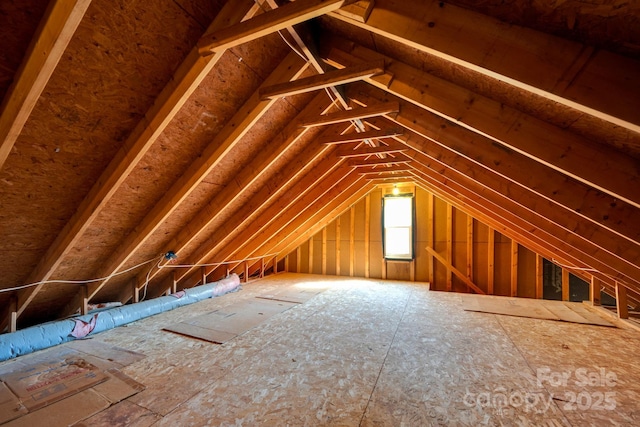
(39,337)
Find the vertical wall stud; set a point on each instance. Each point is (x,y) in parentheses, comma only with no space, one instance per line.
(174,284)
(470,247)
(352,240)
(324,251)
(298,259)
(84,292)
(449,246)
(565,285)
(594,291)
(13,314)
(246,271)
(431,236)
(338,244)
(539,277)
(310,255)
(367,231)
(514,268)
(621,301)
(491,255)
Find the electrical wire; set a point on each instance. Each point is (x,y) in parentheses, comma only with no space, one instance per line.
(76,282)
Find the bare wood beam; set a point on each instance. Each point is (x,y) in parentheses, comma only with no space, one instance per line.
(470,247)
(491,255)
(360,10)
(310,269)
(382,170)
(224,141)
(387,161)
(352,239)
(338,245)
(595,287)
(539,277)
(514,268)
(565,285)
(527,190)
(367,235)
(324,250)
(455,271)
(354,114)
(597,83)
(354,136)
(266,23)
(449,247)
(60,21)
(351,151)
(431,235)
(621,301)
(321,81)
(184,82)
(593,164)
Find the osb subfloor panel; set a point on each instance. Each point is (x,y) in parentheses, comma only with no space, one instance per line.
(373,353)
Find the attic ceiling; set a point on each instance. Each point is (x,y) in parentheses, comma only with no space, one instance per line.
(209,128)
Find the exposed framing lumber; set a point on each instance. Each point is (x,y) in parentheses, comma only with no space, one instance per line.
(322,213)
(514,268)
(566,296)
(325,192)
(449,247)
(338,246)
(321,81)
(491,255)
(354,114)
(570,73)
(363,163)
(431,203)
(367,236)
(449,152)
(382,170)
(310,269)
(621,301)
(352,240)
(470,247)
(455,271)
(60,21)
(224,141)
(349,150)
(606,170)
(595,287)
(355,137)
(540,276)
(266,23)
(327,175)
(170,100)
(324,251)
(487,215)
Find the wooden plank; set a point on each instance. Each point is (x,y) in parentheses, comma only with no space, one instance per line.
(488,211)
(353,114)
(13,314)
(455,271)
(449,246)
(310,255)
(375,161)
(470,245)
(539,209)
(431,235)
(186,79)
(367,235)
(610,171)
(361,136)
(324,251)
(338,244)
(349,150)
(59,23)
(595,287)
(539,277)
(621,301)
(322,81)
(491,254)
(266,23)
(572,74)
(377,170)
(298,260)
(514,268)
(352,238)
(565,285)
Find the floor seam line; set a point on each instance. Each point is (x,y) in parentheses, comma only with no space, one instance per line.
(375,385)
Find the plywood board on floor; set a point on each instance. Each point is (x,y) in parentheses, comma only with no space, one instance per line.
(533,308)
(220,326)
(295,293)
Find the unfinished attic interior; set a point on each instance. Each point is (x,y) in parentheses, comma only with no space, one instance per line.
(408,212)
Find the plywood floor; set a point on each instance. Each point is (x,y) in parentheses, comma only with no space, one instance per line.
(373,353)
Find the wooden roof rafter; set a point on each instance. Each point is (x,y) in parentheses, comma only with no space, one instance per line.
(60,21)
(613,172)
(186,79)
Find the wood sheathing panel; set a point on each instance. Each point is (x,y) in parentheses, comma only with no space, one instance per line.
(18,22)
(589,127)
(116,64)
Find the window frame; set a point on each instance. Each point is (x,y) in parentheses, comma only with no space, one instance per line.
(412,229)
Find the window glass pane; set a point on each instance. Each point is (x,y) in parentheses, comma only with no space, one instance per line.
(397,212)
(398,242)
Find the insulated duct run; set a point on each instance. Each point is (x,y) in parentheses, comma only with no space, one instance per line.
(39,337)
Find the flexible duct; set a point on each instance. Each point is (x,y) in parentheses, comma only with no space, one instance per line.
(46,335)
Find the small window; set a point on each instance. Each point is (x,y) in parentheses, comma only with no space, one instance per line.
(397,227)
